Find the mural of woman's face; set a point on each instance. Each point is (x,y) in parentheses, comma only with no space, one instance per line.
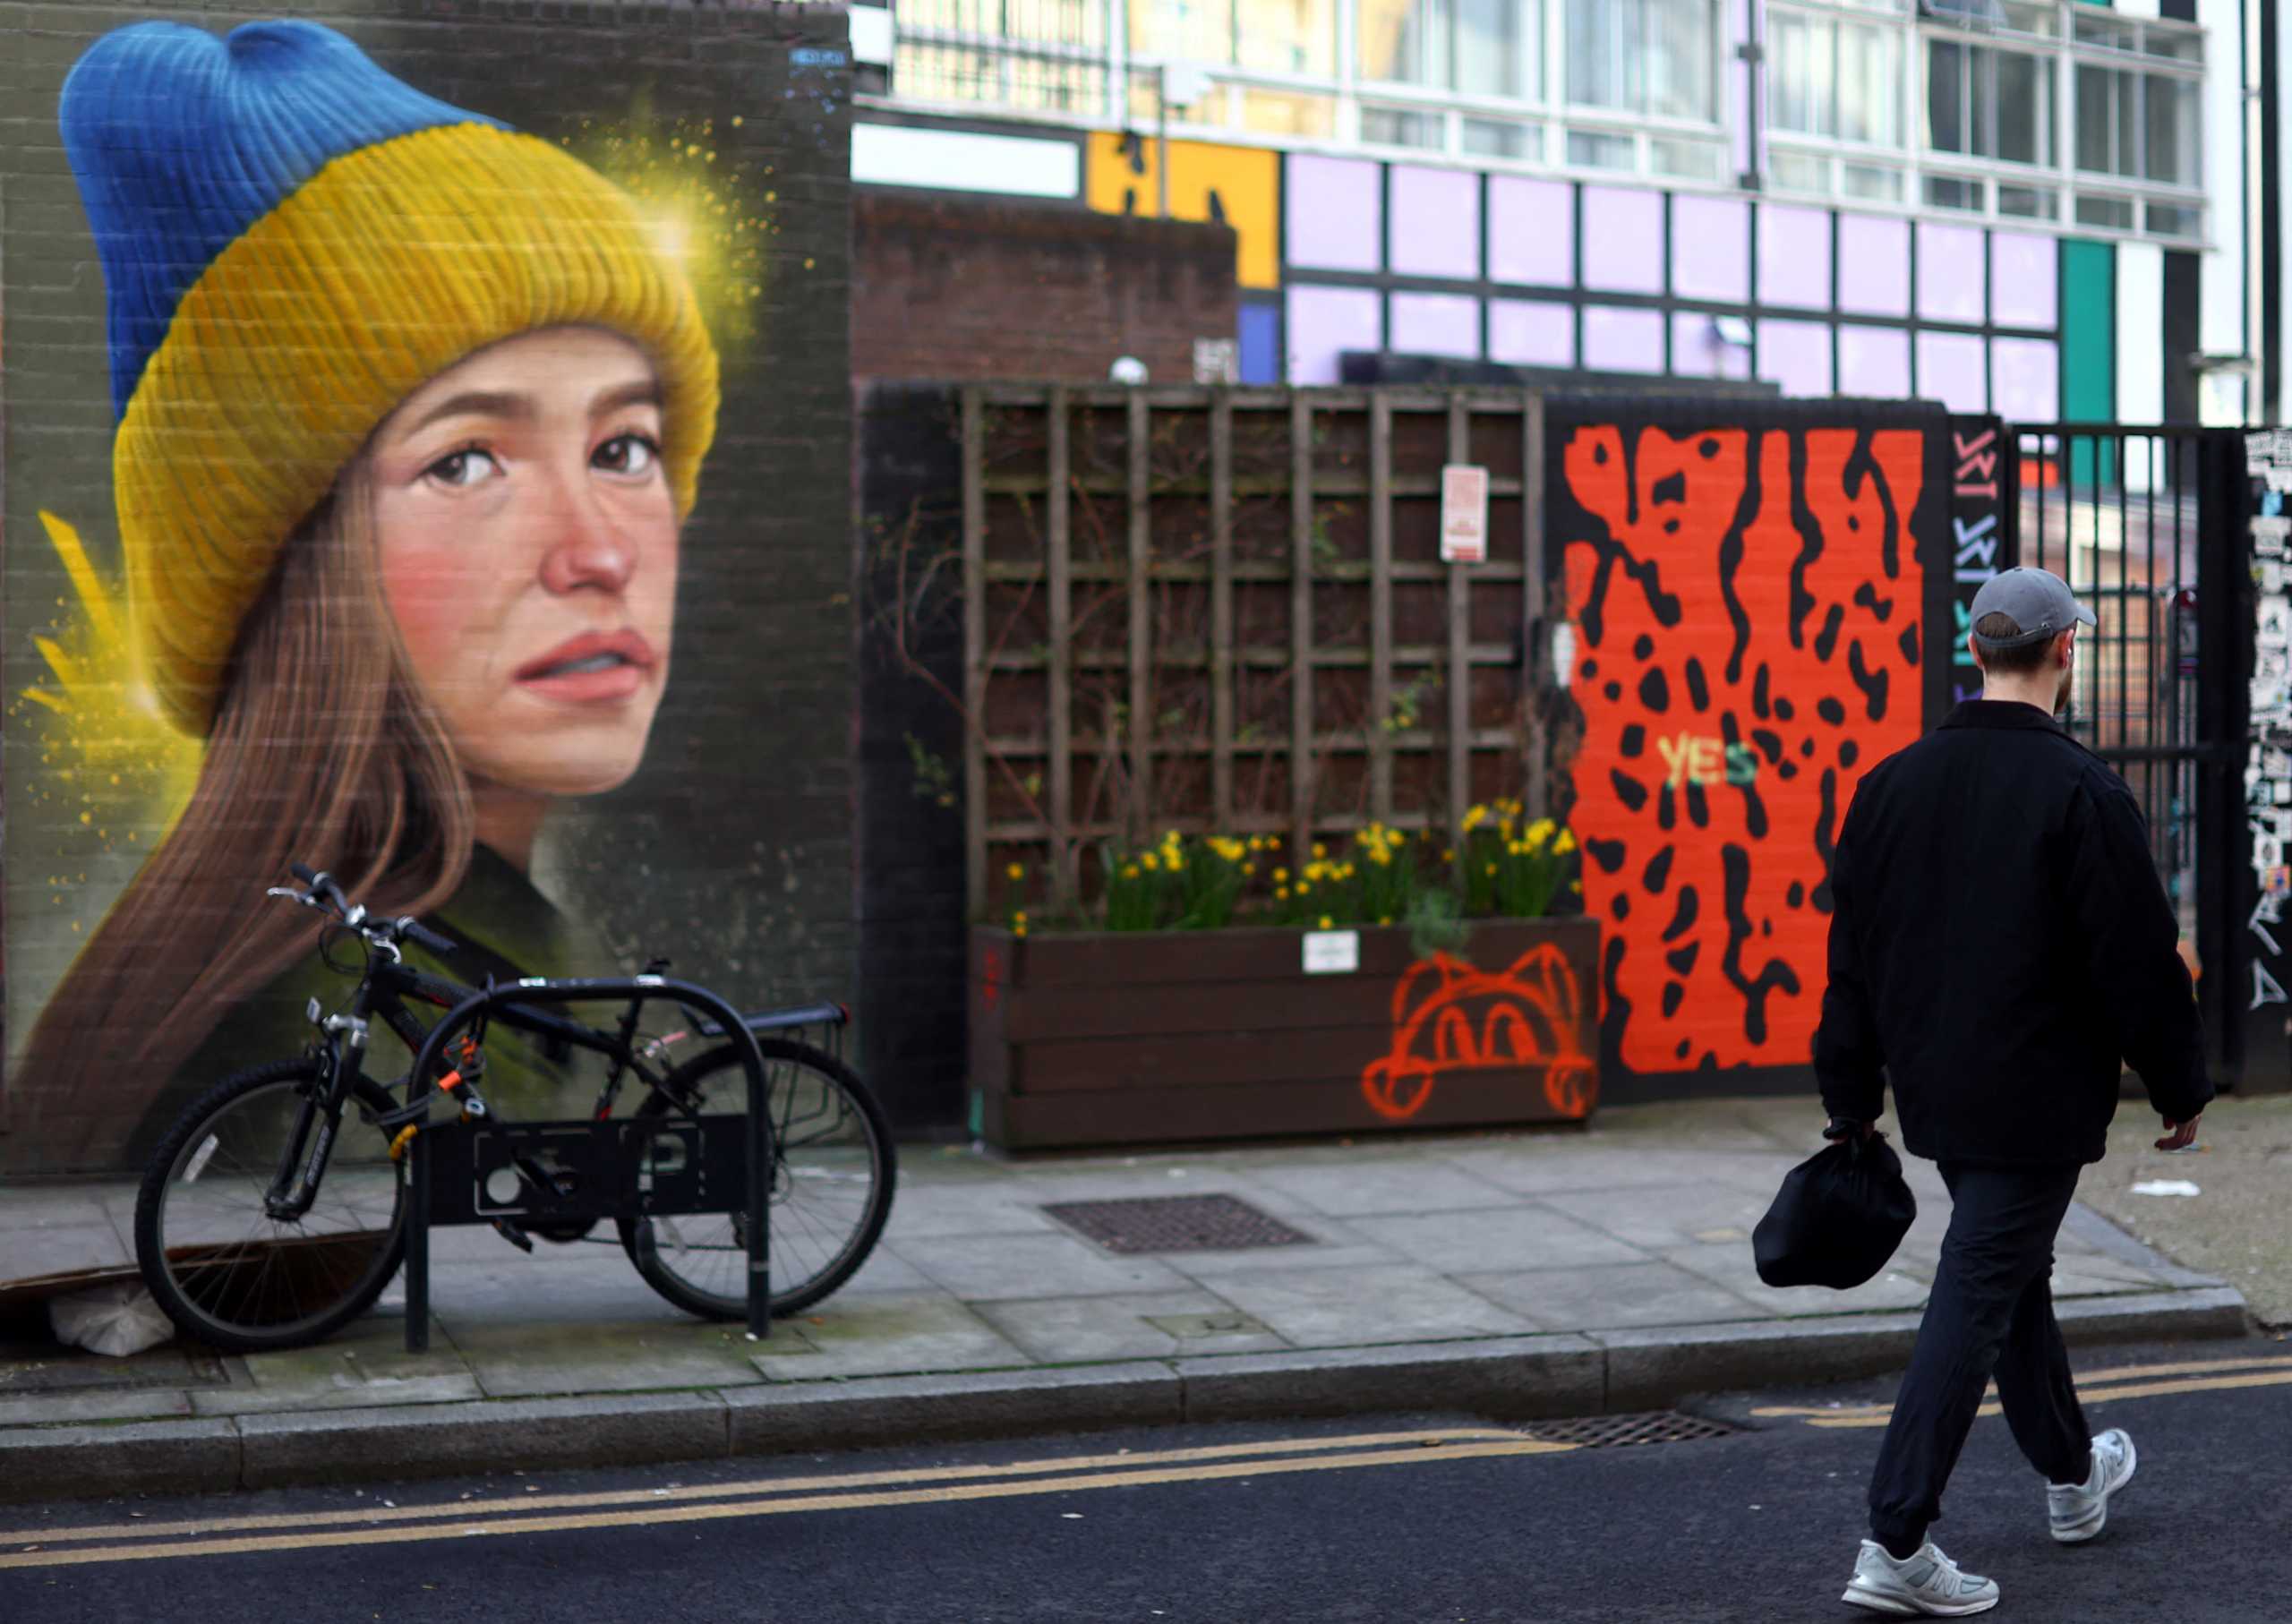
(527,541)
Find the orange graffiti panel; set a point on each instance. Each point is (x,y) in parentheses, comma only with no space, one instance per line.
(1448,1017)
(1745,613)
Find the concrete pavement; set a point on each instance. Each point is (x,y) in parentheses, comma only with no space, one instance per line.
(1534,1273)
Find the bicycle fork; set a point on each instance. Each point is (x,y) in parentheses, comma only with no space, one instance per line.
(294,1187)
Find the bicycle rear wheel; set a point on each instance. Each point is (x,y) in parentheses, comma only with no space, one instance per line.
(834,1168)
(225,1271)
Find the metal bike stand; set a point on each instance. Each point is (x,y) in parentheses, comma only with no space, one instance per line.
(624,1177)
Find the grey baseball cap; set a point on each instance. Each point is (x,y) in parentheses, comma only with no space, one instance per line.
(2038,600)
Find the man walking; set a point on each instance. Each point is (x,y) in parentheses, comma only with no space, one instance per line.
(1999,943)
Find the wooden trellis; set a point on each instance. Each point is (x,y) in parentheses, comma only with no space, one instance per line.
(1246,541)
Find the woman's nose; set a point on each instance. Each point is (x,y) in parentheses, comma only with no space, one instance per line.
(586,547)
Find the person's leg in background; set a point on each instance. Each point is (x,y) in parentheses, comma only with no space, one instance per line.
(2002,1225)
(2036,1389)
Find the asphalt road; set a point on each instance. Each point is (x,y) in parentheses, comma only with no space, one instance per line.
(1397,1517)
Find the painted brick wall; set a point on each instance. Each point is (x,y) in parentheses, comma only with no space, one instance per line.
(731,849)
(961,288)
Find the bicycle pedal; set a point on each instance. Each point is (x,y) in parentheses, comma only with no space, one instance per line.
(510,1233)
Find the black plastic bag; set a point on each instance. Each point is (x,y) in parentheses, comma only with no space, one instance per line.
(1837,1219)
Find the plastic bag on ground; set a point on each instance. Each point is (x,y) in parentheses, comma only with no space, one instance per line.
(114,1320)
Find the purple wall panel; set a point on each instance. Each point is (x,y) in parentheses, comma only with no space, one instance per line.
(1436,324)
(1525,332)
(1711,249)
(2024,276)
(1874,361)
(1795,354)
(1332,213)
(1531,231)
(1623,240)
(1697,351)
(2026,378)
(1794,257)
(1873,265)
(1623,340)
(1324,322)
(1953,370)
(1435,223)
(1950,274)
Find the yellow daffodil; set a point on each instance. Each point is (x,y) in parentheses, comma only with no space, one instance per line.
(1319,849)
(1150,862)
(1325,921)
(1566,843)
(1130,871)
(1017,871)
(1281,876)
(1018,930)
(1448,854)
(1387,920)
(1281,893)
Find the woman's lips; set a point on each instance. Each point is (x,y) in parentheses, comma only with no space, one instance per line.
(591,668)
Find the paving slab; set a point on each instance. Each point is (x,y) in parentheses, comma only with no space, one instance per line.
(1324,1308)
(1627,1295)
(528,1359)
(1070,1331)
(882,1334)
(1524,1236)
(1033,1266)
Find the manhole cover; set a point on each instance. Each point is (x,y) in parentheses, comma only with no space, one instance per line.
(1177,1223)
(25,1372)
(1621,1432)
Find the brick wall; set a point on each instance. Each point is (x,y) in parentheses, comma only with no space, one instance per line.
(960,287)
(732,849)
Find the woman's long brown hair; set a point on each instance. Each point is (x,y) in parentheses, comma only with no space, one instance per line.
(325,752)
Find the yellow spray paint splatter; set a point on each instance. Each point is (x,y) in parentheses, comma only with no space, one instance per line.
(110,762)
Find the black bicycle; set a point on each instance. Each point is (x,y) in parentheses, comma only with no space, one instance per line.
(274,1210)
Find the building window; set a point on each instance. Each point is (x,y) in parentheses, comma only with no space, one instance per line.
(1270,36)
(1650,57)
(1984,102)
(1483,47)
(1828,76)
(2140,126)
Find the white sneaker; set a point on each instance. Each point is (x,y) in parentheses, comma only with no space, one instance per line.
(1927,1585)
(2078,1510)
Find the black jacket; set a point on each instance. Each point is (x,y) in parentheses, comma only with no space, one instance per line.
(1999,940)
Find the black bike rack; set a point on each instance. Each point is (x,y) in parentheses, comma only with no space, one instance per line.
(629,1168)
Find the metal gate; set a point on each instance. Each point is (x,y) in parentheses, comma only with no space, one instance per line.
(2149,526)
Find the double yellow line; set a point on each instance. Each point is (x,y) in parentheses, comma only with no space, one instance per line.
(381,1524)
(2093,1387)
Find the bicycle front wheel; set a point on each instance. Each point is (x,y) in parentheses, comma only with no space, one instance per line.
(225,1270)
(832,1172)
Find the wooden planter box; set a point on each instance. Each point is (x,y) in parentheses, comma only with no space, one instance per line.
(1123,1038)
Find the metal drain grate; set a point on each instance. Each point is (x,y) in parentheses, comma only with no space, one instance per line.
(1177,1223)
(57,1369)
(1621,1431)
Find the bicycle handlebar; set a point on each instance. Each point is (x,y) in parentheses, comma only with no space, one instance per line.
(320,892)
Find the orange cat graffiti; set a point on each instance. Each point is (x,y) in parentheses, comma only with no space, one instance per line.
(1746,608)
(1449,1017)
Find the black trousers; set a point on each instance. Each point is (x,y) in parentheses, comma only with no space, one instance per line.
(1991,1312)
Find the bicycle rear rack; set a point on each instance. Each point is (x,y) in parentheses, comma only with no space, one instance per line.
(467,1172)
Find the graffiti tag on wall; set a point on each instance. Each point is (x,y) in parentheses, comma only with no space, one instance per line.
(1747,602)
(2268,765)
(1974,539)
(1448,1017)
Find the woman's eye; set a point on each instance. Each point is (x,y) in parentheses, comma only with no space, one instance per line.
(627,454)
(463,469)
